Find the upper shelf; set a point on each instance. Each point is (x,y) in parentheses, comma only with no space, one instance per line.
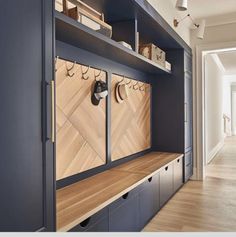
(70,31)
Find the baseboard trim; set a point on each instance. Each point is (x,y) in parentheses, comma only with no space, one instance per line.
(214,151)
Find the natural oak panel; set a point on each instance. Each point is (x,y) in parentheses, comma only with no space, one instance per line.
(130,121)
(80,126)
(79,201)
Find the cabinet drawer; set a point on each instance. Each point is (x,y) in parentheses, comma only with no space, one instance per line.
(149,199)
(96,223)
(178,173)
(166,183)
(124,213)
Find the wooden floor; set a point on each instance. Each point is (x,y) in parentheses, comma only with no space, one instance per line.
(204,206)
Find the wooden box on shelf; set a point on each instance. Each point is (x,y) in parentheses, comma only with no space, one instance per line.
(153,53)
(87,16)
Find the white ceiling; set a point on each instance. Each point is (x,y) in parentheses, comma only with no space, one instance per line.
(228,61)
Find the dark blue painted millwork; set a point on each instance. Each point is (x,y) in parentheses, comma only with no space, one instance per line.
(26,164)
(166,183)
(152,26)
(72,32)
(124,213)
(149,199)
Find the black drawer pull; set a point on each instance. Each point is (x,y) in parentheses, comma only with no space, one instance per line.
(178,160)
(85,222)
(125,196)
(150,180)
(166,168)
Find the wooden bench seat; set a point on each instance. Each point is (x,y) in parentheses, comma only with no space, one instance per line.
(79,201)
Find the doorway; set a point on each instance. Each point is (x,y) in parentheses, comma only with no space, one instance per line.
(201,140)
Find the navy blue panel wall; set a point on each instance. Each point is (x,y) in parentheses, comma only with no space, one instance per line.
(26,200)
(168,107)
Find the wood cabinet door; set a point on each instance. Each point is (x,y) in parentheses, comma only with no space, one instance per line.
(26,164)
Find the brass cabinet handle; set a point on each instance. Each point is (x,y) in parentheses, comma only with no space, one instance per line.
(53,111)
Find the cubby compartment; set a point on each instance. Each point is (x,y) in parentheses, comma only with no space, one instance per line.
(149,199)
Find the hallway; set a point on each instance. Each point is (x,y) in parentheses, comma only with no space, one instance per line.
(204,206)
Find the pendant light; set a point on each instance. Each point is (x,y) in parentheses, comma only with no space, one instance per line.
(182,5)
(201,29)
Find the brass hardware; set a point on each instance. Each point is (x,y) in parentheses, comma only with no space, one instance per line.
(84,77)
(53,111)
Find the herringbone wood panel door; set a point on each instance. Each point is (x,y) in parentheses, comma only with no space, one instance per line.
(80,126)
(130,121)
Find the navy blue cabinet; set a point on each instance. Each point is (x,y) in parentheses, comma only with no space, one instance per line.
(124,213)
(149,199)
(188,111)
(26,164)
(96,223)
(166,183)
(188,166)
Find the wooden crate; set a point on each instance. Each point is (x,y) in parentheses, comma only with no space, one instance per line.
(87,16)
(153,53)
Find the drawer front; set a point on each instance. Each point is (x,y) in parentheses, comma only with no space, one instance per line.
(149,199)
(166,183)
(97,222)
(188,166)
(124,214)
(178,173)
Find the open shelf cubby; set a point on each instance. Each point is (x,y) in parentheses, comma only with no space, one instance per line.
(72,32)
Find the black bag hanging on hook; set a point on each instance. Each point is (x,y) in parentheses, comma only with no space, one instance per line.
(100,91)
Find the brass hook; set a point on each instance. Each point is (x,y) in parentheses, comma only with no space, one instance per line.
(84,73)
(135,85)
(98,75)
(129,83)
(141,88)
(123,79)
(69,69)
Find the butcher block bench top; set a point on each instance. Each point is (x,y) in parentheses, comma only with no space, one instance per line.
(79,201)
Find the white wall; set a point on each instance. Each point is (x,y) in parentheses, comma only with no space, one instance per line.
(166,8)
(233,88)
(213,106)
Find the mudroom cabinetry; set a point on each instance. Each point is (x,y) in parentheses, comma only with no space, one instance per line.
(70,162)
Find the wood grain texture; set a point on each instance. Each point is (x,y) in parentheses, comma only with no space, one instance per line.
(203,206)
(130,121)
(80,126)
(79,201)
(149,164)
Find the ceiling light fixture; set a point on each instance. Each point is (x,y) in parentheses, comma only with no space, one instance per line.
(200,27)
(182,5)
